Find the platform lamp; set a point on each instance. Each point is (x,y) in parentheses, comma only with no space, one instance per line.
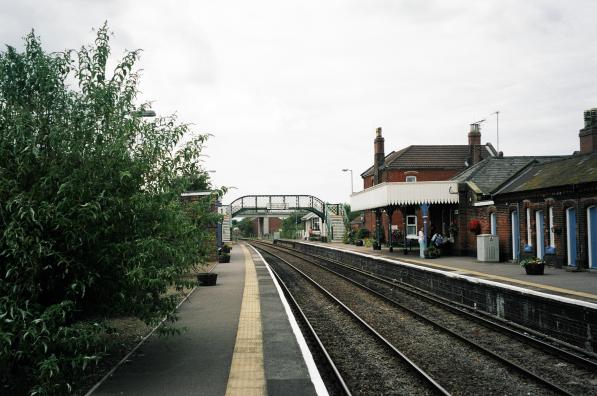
(351,185)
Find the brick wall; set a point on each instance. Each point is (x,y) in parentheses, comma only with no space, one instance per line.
(396,175)
(560,199)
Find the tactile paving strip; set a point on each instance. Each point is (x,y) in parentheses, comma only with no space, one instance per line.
(247,375)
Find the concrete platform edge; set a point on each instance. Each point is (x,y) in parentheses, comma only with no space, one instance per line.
(468,278)
(306,353)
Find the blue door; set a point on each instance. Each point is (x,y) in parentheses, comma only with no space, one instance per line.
(540,235)
(515,235)
(592,235)
(571,235)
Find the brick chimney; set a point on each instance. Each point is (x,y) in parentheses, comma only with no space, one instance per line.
(474,143)
(588,135)
(379,156)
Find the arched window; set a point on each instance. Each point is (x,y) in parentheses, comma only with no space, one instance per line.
(515,234)
(571,235)
(529,230)
(552,235)
(539,233)
(592,235)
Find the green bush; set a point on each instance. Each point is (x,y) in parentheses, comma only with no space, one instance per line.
(91,219)
(363,233)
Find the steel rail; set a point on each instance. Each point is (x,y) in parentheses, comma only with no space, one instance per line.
(441,327)
(480,317)
(419,371)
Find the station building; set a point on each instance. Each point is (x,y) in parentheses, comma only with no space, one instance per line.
(417,175)
(544,206)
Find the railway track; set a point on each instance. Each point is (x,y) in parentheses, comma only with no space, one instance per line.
(389,286)
(382,369)
(464,356)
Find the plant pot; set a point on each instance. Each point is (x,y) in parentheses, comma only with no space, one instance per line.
(207,279)
(224,259)
(358,242)
(534,269)
(376,246)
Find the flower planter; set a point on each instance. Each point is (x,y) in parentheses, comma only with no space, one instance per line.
(207,279)
(225,258)
(358,242)
(534,269)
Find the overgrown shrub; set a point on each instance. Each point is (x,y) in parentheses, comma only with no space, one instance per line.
(363,233)
(91,224)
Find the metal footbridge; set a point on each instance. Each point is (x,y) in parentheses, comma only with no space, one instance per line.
(333,216)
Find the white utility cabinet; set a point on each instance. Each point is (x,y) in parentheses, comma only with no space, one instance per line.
(488,248)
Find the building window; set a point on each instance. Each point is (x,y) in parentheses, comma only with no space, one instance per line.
(529,230)
(411,225)
(411,179)
(493,223)
(552,237)
(315,224)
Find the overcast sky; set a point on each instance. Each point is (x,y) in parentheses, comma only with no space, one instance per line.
(293,90)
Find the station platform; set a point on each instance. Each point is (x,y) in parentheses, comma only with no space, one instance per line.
(239,339)
(556,281)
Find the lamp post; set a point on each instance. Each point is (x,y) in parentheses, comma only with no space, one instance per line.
(351,185)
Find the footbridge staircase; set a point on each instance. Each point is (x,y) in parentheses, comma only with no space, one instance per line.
(333,216)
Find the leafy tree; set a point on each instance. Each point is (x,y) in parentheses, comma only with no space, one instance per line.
(246,227)
(91,222)
(291,225)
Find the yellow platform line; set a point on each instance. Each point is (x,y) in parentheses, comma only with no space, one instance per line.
(464,271)
(247,376)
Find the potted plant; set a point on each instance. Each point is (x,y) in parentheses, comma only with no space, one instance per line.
(432,252)
(226,248)
(207,278)
(224,258)
(358,242)
(533,265)
(204,278)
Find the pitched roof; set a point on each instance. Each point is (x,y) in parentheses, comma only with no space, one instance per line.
(575,169)
(491,173)
(431,157)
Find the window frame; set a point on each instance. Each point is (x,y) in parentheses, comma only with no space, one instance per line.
(552,236)
(529,228)
(412,177)
(493,223)
(409,217)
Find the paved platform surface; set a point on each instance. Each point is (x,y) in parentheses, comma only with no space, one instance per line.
(238,341)
(557,281)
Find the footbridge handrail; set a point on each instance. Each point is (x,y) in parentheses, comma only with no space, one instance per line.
(273,203)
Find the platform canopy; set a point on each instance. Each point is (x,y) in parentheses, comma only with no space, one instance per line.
(400,194)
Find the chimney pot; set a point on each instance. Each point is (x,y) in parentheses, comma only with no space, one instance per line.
(588,135)
(378,156)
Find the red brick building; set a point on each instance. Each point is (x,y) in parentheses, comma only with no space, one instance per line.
(419,163)
(544,206)
(538,206)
